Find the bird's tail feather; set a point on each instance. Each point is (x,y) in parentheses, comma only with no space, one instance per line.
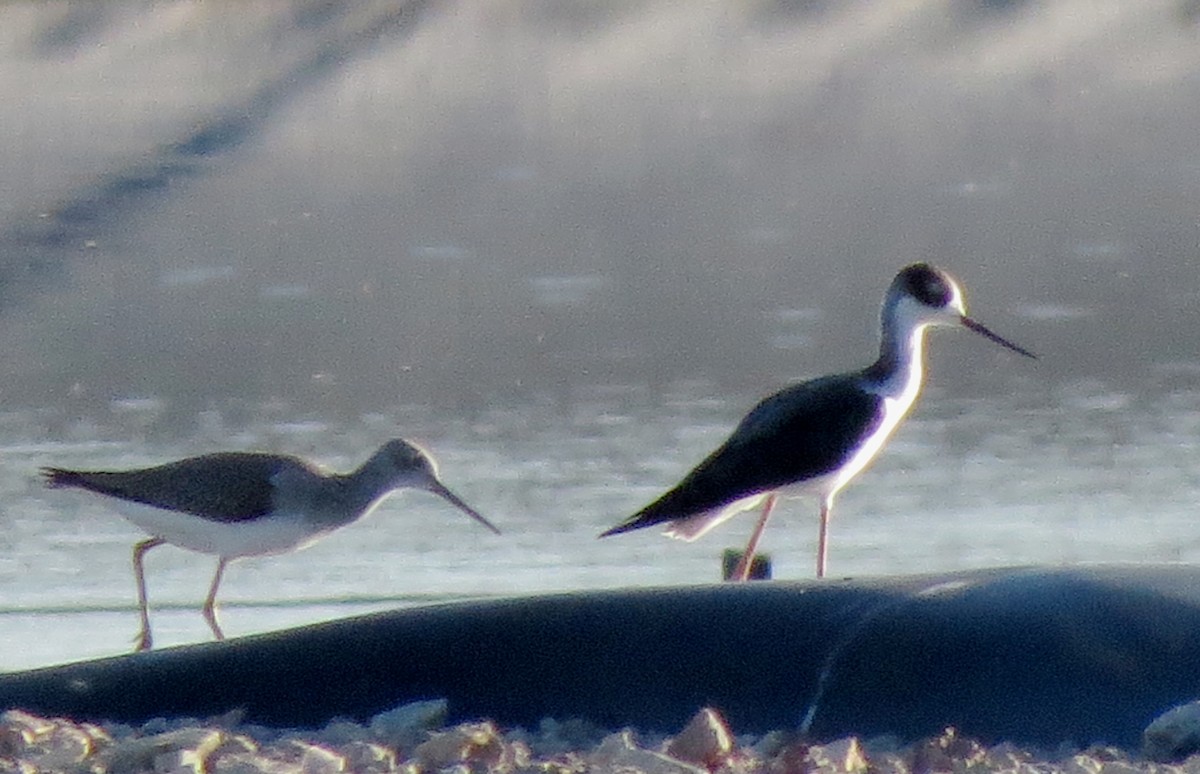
(697,525)
(57,477)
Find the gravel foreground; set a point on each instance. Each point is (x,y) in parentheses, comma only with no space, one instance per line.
(414,739)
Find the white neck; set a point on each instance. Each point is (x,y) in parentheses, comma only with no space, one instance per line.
(898,372)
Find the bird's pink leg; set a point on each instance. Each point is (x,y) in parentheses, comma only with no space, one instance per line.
(210,603)
(823,538)
(742,571)
(139,573)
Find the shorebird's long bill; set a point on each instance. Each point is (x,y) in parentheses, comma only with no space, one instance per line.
(438,488)
(982,330)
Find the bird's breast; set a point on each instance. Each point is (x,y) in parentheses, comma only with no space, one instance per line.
(894,410)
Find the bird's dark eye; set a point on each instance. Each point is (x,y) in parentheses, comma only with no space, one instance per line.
(937,293)
(928,286)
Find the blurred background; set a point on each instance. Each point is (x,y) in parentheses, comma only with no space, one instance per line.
(568,245)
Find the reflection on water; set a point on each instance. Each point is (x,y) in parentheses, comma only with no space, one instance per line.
(1039,476)
(342,203)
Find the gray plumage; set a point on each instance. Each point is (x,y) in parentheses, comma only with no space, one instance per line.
(235,504)
(227,487)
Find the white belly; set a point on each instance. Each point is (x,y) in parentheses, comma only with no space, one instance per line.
(894,410)
(700,524)
(269,535)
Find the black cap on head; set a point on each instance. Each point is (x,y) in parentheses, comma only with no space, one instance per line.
(926,284)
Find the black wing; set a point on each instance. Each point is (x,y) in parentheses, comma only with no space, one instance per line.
(801,432)
(227,487)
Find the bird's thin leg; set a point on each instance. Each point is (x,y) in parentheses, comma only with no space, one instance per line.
(210,603)
(742,571)
(823,538)
(139,573)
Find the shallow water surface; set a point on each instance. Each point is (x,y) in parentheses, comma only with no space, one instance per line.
(1076,474)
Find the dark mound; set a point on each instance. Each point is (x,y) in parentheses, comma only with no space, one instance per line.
(1030,655)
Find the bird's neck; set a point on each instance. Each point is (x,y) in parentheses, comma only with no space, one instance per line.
(370,483)
(338,499)
(898,371)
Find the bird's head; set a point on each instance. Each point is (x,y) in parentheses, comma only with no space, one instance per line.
(923,295)
(410,466)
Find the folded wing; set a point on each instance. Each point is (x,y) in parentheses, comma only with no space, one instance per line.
(799,433)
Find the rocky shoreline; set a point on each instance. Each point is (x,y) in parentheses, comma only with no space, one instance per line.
(414,739)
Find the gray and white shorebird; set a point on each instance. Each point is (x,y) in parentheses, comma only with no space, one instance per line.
(237,504)
(814,437)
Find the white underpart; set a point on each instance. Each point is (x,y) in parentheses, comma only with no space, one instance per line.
(275,534)
(899,391)
(699,524)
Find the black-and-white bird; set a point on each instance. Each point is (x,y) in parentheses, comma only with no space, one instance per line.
(814,437)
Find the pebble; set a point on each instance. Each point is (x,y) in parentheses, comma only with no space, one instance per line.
(408,725)
(620,752)
(706,740)
(414,740)
(368,758)
(844,755)
(170,751)
(1173,735)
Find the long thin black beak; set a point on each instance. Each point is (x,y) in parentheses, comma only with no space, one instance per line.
(982,330)
(438,488)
